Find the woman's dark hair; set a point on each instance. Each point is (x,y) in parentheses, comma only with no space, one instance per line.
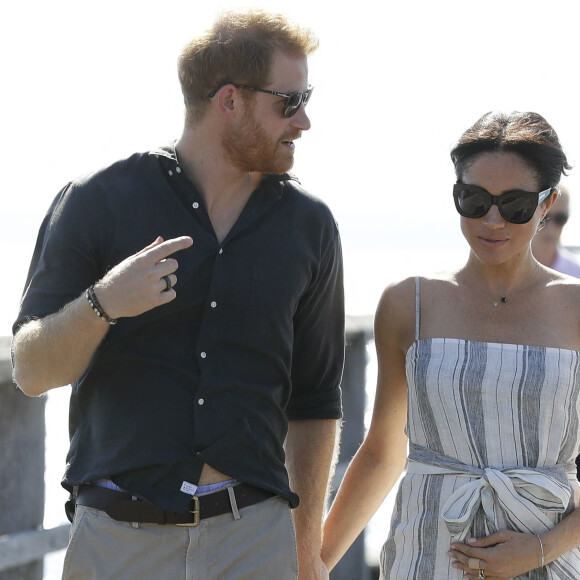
(527,134)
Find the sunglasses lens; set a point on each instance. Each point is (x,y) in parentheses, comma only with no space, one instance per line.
(518,208)
(471,203)
(293,103)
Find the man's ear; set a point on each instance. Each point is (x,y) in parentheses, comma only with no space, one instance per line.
(228,99)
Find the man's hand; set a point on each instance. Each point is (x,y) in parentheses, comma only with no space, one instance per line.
(313,569)
(56,350)
(136,285)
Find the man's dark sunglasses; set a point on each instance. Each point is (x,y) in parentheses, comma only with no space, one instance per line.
(516,206)
(293,100)
(558,219)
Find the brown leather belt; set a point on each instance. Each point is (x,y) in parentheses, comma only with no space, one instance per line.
(121,507)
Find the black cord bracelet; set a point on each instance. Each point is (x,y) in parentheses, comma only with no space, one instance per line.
(96,306)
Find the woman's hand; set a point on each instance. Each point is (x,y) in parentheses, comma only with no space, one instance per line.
(500,556)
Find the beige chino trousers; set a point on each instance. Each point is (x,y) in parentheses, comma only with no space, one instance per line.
(260,545)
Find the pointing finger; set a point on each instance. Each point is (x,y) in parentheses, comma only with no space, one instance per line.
(164,249)
(157,241)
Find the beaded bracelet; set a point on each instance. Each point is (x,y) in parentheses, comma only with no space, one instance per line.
(96,306)
(541,547)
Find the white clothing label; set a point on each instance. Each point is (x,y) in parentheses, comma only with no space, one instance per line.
(189,488)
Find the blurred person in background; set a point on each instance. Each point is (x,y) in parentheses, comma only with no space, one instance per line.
(546,245)
(548,250)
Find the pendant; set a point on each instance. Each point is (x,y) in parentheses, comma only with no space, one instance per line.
(503,300)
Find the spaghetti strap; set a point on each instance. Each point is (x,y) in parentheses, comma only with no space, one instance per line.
(417,306)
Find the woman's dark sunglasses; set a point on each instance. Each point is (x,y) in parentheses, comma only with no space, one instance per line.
(293,100)
(516,207)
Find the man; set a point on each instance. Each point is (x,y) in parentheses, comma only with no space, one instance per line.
(548,251)
(546,243)
(205,399)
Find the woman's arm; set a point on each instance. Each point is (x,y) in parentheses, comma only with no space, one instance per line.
(380,459)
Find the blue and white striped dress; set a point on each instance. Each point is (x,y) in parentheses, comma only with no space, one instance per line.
(493,433)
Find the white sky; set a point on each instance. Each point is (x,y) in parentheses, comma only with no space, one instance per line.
(396,83)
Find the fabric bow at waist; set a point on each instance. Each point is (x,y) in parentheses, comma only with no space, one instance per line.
(522,494)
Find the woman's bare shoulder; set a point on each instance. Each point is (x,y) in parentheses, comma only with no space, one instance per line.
(403,293)
(558,278)
(396,313)
(564,290)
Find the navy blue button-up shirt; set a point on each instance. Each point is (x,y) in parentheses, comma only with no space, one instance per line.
(254,338)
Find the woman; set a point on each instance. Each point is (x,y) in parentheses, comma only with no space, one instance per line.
(480,369)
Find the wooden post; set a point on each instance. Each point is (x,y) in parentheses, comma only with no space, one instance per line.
(21,463)
(353,565)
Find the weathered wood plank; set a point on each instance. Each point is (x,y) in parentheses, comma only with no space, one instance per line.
(21,463)
(24,547)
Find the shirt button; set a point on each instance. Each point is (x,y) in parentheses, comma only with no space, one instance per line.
(221,251)
(200,401)
(213,304)
(203,354)
(195,205)
(178,169)
(170,173)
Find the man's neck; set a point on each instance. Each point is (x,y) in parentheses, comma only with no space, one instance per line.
(216,179)
(224,188)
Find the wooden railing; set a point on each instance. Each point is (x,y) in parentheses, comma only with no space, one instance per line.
(23,542)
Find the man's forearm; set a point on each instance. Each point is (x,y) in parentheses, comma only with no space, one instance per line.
(56,350)
(310,458)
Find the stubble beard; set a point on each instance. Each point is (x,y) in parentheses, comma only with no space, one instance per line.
(250,148)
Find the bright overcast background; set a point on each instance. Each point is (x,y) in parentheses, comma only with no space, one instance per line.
(395,85)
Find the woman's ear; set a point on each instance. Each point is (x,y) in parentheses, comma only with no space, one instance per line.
(549,201)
